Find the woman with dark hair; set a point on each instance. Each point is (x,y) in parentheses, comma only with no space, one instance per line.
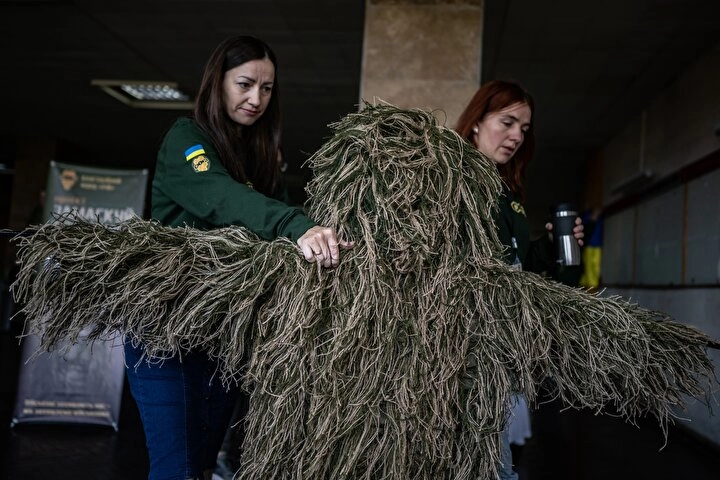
(499,122)
(216,169)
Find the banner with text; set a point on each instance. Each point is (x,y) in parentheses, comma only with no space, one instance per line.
(84,384)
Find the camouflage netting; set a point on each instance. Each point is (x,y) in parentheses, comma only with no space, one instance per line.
(399,363)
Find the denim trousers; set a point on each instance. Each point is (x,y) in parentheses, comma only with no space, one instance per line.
(185,411)
(505,470)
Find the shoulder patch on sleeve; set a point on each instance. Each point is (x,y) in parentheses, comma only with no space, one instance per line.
(517,206)
(201,163)
(193,152)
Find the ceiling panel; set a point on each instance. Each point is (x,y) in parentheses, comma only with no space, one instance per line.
(591,66)
(56,48)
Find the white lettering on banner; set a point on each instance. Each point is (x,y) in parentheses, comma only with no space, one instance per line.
(99,214)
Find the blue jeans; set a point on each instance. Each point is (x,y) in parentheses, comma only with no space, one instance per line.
(185,412)
(505,470)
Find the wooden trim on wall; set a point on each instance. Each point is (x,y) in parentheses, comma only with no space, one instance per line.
(679,179)
(684,237)
(687,173)
(670,286)
(633,273)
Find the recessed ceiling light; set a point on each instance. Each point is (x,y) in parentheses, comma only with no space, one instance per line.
(139,94)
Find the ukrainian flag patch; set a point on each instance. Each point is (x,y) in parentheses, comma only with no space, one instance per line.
(193,152)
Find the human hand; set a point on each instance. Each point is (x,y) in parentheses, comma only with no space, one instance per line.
(320,244)
(577,231)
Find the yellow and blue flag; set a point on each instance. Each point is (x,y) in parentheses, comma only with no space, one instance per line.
(193,152)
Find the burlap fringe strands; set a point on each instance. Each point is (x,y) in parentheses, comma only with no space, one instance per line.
(398,364)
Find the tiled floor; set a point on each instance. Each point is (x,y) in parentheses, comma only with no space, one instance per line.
(568,445)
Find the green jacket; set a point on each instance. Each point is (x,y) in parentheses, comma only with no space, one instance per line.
(191,187)
(535,256)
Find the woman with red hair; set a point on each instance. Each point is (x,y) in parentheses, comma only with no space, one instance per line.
(499,122)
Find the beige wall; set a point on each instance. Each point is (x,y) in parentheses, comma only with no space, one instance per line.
(422,54)
(672,238)
(677,128)
(31,165)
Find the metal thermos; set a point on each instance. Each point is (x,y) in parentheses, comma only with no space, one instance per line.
(566,246)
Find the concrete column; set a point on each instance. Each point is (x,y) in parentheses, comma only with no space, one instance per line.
(422,54)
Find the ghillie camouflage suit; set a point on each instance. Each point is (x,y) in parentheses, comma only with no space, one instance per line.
(397,364)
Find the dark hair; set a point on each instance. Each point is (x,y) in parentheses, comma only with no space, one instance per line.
(249,153)
(492,97)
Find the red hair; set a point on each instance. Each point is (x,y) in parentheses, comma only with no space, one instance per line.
(492,97)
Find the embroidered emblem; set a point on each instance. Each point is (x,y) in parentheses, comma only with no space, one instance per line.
(193,152)
(517,206)
(201,163)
